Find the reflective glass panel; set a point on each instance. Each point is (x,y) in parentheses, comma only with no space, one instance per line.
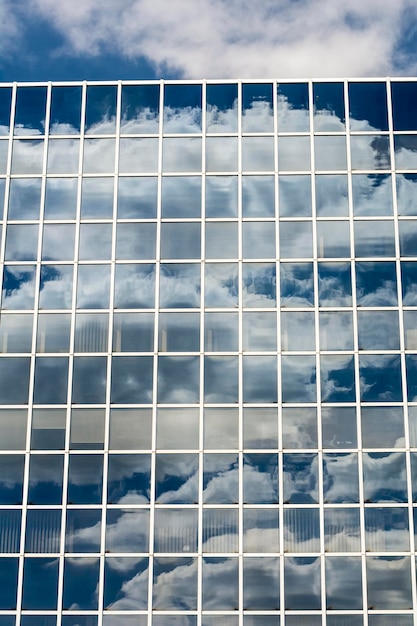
(178,379)
(11,478)
(339,428)
(40,583)
(24,199)
(98,156)
(386,530)
(58,242)
(45,478)
(294,154)
(175,584)
(260,530)
(100,115)
(220,530)
(298,379)
(138,156)
(372,194)
(389,583)
(30,111)
(53,333)
(336,330)
(13,426)
(21,242)
(384,477)
(63,156)
(60,198)
(81,576)
(37,520)
(93,286)
(128,480)
(134,286)
(221,426)
(97,198)
(341,529)
(370,152)
(85,477)
(343,583)
(181,154)
(259,331)
(221,379)
(95,242)
(299,427)
(258,196)
(177,428)
(261,583)
(180,240)
(408,237)
(376,283)
(330,152)
(260,427)
(126,587)
(260,379)
(301,530)
(294,196)
(405,147)
(14,380)
(221,285)
(221,240)
(51,380)
(337,378)
(137,197)
(48,429)
(5,103)
(176,478)
(404,98)
(293,114)
(340,478)
(297,288)
(65,110)
(260,478)
(405,194)
(176,530)
(380,378)
(16,333)
(221,196)
(374,238)
(331,195)
(133,332)
(300,478)
(130,429)
(221,154)
(257,154)
(409,280)
(258,240)
(83,530)
(297,331)
(295,240)
(257,108)
(259,285)
(222,108)
(182,108)
(335,286)
(221,479)
(378,330)
(140,109)
(87,429)
(329,107)
(180,285)
(89,380)
(181,196)
(368,106)
(27,156)
(302,583)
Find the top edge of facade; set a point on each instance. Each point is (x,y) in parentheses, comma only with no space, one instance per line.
(211,81)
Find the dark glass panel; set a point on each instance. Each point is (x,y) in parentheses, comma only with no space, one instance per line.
(259,285)
(337,378)
(133,332)
(40,584)
(260,478)
(221,285)
(83,530)
(408,237)
(14,380)
(260,379)
(380,377)
(389,582)
(140,109)
(299,427)
(180,240)
(370,152)
(182,108)
(176,530)
(409,282)
(178,379)
(5,103)
(100,116)
(405,147)
(339,427)
(329,107)
(45,478)
(404,102)
(30,111)
(51,380)
(220,530)
(386,530)
(221,379)
(85,477)
(91,332)
(181,196)
(293,114)
(411,364)
(301,530)
(335,286)
(13,428)
(89,380)
(65,110)
(81,578)
(10,527)
(376,283)
(221,108)
(180,285)
(11,478)
(131,381)
(126,588)
(176,478)
(128,479)
(382,427)
(368,106)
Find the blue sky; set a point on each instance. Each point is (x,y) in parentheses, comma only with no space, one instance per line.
(142,39)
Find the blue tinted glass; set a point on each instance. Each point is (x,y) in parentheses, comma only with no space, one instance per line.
(100,116)
(18,287)
(21,242)
(181,197)
(378,330)
(298,379)
(85,478)
(134,286)
(405,147)
(10,522)
(180,285)
(411,361)
(129,479)
(344,588)
(51,379)
(178,379)
(38,620)
(140,109)
(37,521)
(30,111)
(372,194)
(45,479)
(220,484)
(302,587)
(127,530)
(182,108)
(173,472)
(81,577)
(337,378)
(220,583)
(257,109)
(132,379)
(384,477)
(409,281)
(259,379)
(11,478)
(8,583)
(300,478)
(259,285)
(404,101)
(89,380)
(221,108)
(406,194)
(40,583)
(5,101)
(137,197)
(126,585)
(60,198)
(78,620)
(297,284)
(293,114)
(221,379)
(83,530)
(380,378)
(376,283)
(294,196)
(374,238)
(181,594)
(368,106)
(340,477)
(258,197)
(329,107)
(56,287)
(65,111)
(14,380)
(260,478)
(331,195)
(261,583)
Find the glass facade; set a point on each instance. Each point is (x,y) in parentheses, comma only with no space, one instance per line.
(208,354)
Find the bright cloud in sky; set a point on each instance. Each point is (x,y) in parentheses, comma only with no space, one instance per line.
(225,38)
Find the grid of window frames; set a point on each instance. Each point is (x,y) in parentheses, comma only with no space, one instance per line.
(208,368)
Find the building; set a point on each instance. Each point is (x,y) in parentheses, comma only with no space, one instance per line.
(208,369)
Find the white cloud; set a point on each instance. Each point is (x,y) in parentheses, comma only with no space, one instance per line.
(251,38)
